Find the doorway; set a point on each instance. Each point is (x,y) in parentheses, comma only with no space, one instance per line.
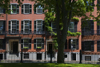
(15,47)
(73,56)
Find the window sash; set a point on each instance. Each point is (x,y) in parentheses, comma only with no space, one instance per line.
(26,10)
(1,10)
(13,26)
(73,43)
(39,44)
(39,26)
(39,9)
(13,8)
(26,26)
(1,26)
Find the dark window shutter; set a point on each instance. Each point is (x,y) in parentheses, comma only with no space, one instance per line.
(43,8)
(66,44)
(34,26)
(22,26)
(4,26)
(22,9)
(21,43)
(34,8)
(92,26)
(77,45)
(30,44)
(92,45)
(17,9)
(69,43)
(30,26)
(75,26)
(83,45)
(17,26)
(43,44)
(43,26)
(4,44)
(30,8)
(3,10)
(9,26)
(34,43)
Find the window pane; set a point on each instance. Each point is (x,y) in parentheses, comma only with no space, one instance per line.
(39,45)
(27,8)
(39,9)
(71,26)
(1,44)
(26,55)
(26,40)
(1,10)
(1,26)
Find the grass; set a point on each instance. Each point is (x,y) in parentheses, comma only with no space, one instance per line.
(46,65)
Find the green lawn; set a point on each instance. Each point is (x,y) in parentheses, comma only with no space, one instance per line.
(46,65)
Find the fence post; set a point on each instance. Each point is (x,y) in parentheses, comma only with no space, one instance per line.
(21,56)
(80,57)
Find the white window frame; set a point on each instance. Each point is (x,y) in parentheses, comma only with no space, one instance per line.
(27,44)
(37,42)
(74,40)
(52,27)
(12,9)
(25,8)
(71,28)
(37,26)
(28,55)
(39,8)
(24,25)
(11,26)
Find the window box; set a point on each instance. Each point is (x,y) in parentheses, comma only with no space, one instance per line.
(39,47)
(25,47)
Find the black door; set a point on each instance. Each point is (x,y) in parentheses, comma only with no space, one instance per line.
(15,47)
(50,47)
(73,56)
(1,56)
(39,56)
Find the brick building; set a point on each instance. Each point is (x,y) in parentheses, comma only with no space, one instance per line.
(24,29)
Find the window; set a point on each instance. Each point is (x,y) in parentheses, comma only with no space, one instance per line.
(88,27)
(39,56)
(14,27)
(14,8)
(53,25)
(2,27)
(26,55)
(26,9)
(87,58)
(39,43)
(65,56)
(72,27)
(73,56)
(38,27)
(88,45)
(1,43)
(98,45)
(26,26)
(73,44)
(38,9)
(1,10)
(26,43)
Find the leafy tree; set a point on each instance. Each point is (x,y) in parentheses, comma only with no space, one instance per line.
(61,12)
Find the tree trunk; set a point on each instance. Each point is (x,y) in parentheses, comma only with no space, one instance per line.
(60,55)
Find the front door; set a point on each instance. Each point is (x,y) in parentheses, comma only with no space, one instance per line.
(15,47)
